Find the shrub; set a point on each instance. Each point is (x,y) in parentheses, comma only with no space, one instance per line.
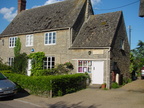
(20,64)
(45,72)
(115,85)
(42,85)
(4,66)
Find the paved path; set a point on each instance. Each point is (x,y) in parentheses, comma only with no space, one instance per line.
(128,96)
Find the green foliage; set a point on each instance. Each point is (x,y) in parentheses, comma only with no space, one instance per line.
(126,80)
(20,63)
(45,72)
(37,61)
(4,66)
(17,48)
(20,60)
(137,58)
(64,68)
(64,84)
(42,85)
(58,70)
(115,85)
(33,85)
(69,65)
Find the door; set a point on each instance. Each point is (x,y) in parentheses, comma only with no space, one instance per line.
(29,67)
(97,72)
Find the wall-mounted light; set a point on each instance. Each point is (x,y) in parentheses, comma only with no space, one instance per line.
(89,52)
(32,50)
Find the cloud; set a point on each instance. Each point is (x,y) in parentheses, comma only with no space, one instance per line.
(52,1)
(8,13)
(48,2)
(95,2)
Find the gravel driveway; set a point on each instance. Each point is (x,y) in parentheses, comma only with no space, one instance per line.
(128,96)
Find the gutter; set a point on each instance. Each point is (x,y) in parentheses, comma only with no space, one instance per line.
(108,79)
(39,31)
(73,48)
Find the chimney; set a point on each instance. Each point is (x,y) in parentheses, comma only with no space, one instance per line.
(21,5)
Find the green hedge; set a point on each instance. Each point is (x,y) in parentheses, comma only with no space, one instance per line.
(43,85)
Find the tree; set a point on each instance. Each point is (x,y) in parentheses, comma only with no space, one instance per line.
(137,57)
(20,59)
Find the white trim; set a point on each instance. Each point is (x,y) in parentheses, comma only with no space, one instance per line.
(14,44)
(30,40)
(102,59)
(52,38)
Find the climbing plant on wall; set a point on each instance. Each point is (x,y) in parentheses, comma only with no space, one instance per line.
(37,61)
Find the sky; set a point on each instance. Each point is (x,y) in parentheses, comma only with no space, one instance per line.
(130,9)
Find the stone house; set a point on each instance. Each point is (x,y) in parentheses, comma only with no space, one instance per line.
(69,31)
(141,11)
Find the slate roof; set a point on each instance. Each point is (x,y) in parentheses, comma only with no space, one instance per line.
(98,31)
(141,13)
(53,16)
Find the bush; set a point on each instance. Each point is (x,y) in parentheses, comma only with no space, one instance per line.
(115,85)
(64,84)
(20,64)
(44,72)
(4,66)
(42,85)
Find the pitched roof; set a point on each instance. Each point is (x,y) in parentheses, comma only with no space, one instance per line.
(141,13)
(53,16)
(98,31)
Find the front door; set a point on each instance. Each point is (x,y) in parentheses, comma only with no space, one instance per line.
(97,72)
(29,67)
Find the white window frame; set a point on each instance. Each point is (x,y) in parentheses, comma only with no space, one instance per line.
(49,63)
(84,66)
(29,40)
(12,42)
(10,61)
(50,38)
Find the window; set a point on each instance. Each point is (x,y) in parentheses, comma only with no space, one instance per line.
(84,66)
(49,62)
(12,42)
(122,44)
(10,61)
(29,40)
(50,38)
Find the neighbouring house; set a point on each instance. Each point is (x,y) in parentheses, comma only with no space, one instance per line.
(141,10)
(69,31)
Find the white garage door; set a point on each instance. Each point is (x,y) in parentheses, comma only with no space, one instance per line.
(97,72)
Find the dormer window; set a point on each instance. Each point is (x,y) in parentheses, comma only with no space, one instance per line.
(50,38)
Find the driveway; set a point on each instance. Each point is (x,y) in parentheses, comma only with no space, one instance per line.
(128,96)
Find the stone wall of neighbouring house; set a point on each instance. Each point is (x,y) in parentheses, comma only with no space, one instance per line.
(120,56)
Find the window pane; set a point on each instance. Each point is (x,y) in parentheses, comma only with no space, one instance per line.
(50,38)
(84,66)
(49,62)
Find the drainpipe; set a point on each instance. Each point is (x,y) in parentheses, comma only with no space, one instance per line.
(108,84)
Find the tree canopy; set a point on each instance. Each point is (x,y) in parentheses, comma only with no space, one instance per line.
(137,57)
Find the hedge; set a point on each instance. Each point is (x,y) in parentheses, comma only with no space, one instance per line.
(49,86)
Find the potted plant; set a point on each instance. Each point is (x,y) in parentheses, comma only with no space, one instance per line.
(103,86)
